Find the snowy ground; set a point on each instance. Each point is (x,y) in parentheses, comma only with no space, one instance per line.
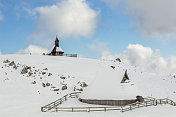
(22,95)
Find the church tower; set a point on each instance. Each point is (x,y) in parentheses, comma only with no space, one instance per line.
(57,51)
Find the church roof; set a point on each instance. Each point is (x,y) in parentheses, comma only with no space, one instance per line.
(59,49)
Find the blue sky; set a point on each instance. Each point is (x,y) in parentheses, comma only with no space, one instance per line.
(117,26)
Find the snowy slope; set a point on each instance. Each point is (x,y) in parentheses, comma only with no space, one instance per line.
(22,95)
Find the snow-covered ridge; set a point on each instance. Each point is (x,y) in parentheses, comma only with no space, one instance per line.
(49,78)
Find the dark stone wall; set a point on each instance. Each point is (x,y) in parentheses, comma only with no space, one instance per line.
(108,102)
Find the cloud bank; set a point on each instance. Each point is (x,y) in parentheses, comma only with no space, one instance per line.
(32,49)
(66,18)
(154,18)
(146,59)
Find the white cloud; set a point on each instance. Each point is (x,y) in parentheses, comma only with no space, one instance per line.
(66,18)
(32,49)
(0,52)
(146,59)
(155,18)
(137,54)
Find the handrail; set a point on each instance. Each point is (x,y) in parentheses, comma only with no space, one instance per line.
(147,102)
(70,55)
(58,101)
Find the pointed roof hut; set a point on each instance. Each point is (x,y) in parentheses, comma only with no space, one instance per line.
(57,50)
(125,77)
(107,89)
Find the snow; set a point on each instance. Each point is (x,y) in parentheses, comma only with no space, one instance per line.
(20,97)
(58,49)
(107,86)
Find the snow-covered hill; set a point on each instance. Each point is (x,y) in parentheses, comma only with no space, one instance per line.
(28,82)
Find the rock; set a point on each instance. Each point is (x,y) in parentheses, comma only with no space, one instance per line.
(118,59)
(62,77)
(53,87)
(48,84)
(56,90)
(113,67)
(34,82)
(6,61)
(45,69)
(83,84)
(49,74)
(15,67)
(43,73)
(64,87)
(25,70)
(80,89)
(12,63)
(30,73)
(28,67)
(43,84)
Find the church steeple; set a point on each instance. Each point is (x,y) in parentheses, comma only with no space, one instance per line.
(56,51)
(57,42)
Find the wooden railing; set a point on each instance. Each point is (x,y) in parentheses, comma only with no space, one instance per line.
(85,109)
(70,55)
(59,101)
(148,102)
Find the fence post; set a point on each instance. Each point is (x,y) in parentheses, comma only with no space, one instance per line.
(105,109)
(122,109)
(156,102)
(42,109)
(72,109)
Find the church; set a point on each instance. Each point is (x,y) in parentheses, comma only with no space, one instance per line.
(56,50)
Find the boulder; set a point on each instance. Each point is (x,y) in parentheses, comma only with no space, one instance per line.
(83,84)
(12,63)
(49,74)
(64,87)
(6,61)
(118,59)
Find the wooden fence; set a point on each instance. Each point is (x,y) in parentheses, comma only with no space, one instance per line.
(85,109)
(59,101)
(148,102)
(70,55)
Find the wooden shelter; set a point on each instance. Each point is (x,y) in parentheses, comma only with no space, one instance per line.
(111,88)
(125,77)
